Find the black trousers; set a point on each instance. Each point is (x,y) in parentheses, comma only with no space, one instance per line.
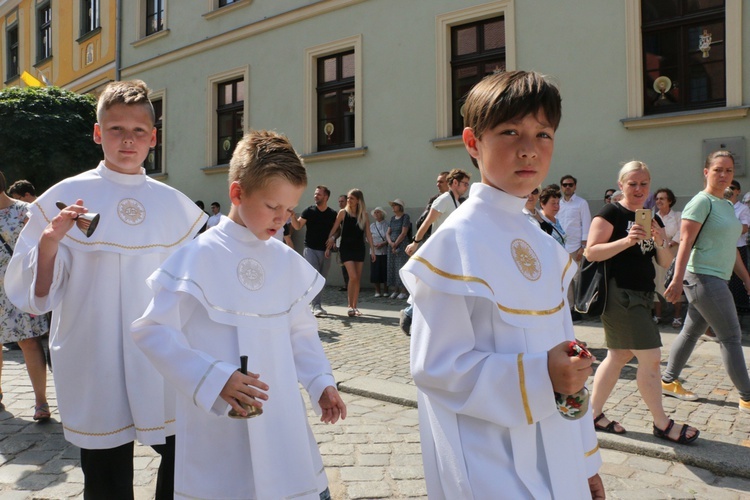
(108,473)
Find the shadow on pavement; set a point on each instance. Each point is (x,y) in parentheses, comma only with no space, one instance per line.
(25,443)
(723,459)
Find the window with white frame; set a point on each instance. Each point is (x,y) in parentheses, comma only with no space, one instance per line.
(154,16)
(11,38)
(471,43)
(669,81)
(154,163)
(230,113)
(44,31)
(333,104)
(684,55)
(336,101)
(477,50)
(89,16)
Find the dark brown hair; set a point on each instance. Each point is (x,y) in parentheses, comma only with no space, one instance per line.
(551,191)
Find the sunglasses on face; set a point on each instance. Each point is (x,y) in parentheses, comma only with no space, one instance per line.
(609,196)
(568,184)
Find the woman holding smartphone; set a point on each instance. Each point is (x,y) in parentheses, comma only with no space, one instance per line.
(618,234)
(705,260)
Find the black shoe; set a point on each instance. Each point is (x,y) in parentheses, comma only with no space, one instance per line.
(342,289)
(405,322)
(576,316)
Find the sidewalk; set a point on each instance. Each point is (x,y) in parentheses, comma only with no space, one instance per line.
(372,353)
(375,452)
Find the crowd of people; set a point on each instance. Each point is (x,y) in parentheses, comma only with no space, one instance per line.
(133,299)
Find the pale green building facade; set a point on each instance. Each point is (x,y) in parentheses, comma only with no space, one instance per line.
(393,130)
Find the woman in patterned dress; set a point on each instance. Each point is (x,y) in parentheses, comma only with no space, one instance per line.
(16,325)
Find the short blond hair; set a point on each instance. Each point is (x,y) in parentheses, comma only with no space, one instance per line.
(263,155)
(132,93)
(632,166)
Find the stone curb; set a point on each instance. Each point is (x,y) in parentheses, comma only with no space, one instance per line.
(720,458)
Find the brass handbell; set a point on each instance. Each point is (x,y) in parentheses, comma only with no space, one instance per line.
(85,222)
(252,411)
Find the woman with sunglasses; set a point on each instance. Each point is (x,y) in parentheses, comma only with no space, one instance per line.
(530,207)
(608,195)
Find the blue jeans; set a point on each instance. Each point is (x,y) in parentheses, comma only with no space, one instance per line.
(317,259)
(710,303)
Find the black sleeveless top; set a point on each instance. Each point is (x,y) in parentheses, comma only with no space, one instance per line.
(352,247)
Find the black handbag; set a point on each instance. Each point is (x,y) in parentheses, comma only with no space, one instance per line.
(590,292)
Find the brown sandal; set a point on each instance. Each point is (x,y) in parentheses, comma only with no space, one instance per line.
(610,427)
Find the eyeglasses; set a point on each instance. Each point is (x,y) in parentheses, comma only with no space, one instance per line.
(464,183)
(567,184)
(535,192)
(609,196)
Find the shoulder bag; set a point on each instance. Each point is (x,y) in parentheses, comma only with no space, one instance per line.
(670,271)
(590,292)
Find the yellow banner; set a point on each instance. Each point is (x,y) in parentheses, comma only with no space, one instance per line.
(30,80)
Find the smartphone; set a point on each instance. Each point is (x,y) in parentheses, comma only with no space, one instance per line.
(643,217)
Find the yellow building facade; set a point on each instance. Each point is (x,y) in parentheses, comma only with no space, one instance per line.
(66,43)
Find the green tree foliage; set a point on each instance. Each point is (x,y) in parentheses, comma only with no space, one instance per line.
(46,134)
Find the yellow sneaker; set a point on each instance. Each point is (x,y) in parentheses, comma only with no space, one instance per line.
(744,406)
(676,390)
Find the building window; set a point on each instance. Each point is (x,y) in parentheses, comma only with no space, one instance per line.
(470,43)
(684,55)
(153,163)
(333,103)
(477,50)
(12,57)
(230,118)
(336,101)
(44,32)
(89,16)
(154,16)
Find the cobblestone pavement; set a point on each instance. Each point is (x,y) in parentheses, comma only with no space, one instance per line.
(375,452)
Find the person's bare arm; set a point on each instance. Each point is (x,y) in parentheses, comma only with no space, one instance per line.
(368,236)
(298,222)
(689,230)
(431,217)
(599,248)
(335,229)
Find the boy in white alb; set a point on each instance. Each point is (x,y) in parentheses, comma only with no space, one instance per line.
(491,326)
(255,302)
(107,391)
